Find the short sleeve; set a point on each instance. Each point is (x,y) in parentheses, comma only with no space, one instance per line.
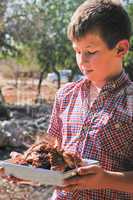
(55,124)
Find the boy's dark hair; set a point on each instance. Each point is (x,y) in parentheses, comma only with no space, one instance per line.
(105,17)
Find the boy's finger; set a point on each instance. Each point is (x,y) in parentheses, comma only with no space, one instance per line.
(72,181)
(88,170)
(2,171)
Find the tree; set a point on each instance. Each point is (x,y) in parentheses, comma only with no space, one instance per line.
(55,51)
(46,37)
(5,45)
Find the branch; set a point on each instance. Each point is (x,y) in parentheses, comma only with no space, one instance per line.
(14,17)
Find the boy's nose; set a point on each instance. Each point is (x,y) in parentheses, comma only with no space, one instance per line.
(83,59)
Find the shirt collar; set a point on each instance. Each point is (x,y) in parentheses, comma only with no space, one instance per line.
(112,83)
(116,82)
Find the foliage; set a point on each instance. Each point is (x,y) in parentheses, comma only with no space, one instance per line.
(55,49)
(128,61)
(32,30)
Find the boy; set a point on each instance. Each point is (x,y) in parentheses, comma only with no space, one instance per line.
(94,117)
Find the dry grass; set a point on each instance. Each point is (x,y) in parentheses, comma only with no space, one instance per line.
(26,92)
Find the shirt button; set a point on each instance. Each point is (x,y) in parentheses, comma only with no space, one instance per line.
(85,128)
(114,85)
(117,125)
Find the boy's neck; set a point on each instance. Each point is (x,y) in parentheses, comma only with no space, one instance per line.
(98,84)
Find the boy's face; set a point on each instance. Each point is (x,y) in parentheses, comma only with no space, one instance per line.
(95,60)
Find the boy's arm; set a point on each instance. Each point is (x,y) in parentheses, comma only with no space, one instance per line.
(54,128)
(122,181)
(94,177)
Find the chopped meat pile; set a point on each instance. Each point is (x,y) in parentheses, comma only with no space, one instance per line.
(47,154)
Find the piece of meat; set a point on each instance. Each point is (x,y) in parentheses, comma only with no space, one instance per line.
(18,158)
(72,161)
(47,154)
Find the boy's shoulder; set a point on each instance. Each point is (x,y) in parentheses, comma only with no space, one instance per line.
(69,88)
(129,90)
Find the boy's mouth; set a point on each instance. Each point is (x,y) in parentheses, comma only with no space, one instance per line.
(87,71)
(90,70)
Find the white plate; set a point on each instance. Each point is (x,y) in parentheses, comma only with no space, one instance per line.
(40,175)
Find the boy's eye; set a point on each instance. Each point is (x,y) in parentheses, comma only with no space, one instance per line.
(91,53)
(87,53)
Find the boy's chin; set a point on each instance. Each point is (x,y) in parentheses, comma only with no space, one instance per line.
(91,78)
(94,79)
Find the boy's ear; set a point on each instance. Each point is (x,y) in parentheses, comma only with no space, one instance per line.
(122,48)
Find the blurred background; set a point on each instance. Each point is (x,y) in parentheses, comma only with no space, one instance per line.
(34,49)
(36,59)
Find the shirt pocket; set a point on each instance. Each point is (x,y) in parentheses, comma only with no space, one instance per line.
(116,136)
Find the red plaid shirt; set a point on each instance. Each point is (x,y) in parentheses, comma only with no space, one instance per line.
(103,132)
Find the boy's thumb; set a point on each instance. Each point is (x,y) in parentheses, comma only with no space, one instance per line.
(93,169)
(2,171)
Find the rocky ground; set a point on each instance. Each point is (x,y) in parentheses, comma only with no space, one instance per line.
(23,192)
(24,124)
(26,121)
(20,130)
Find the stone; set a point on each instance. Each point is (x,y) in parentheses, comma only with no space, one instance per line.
(23,128)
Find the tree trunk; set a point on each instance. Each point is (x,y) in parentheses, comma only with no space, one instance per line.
(74,70)
(40,83)
(2,99)
(58,76)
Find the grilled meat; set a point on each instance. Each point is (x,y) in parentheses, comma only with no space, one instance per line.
(47,154)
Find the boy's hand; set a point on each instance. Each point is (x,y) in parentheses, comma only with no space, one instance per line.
(90,177)
(18,181)
(15,180)
(2,171)
(10,179)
